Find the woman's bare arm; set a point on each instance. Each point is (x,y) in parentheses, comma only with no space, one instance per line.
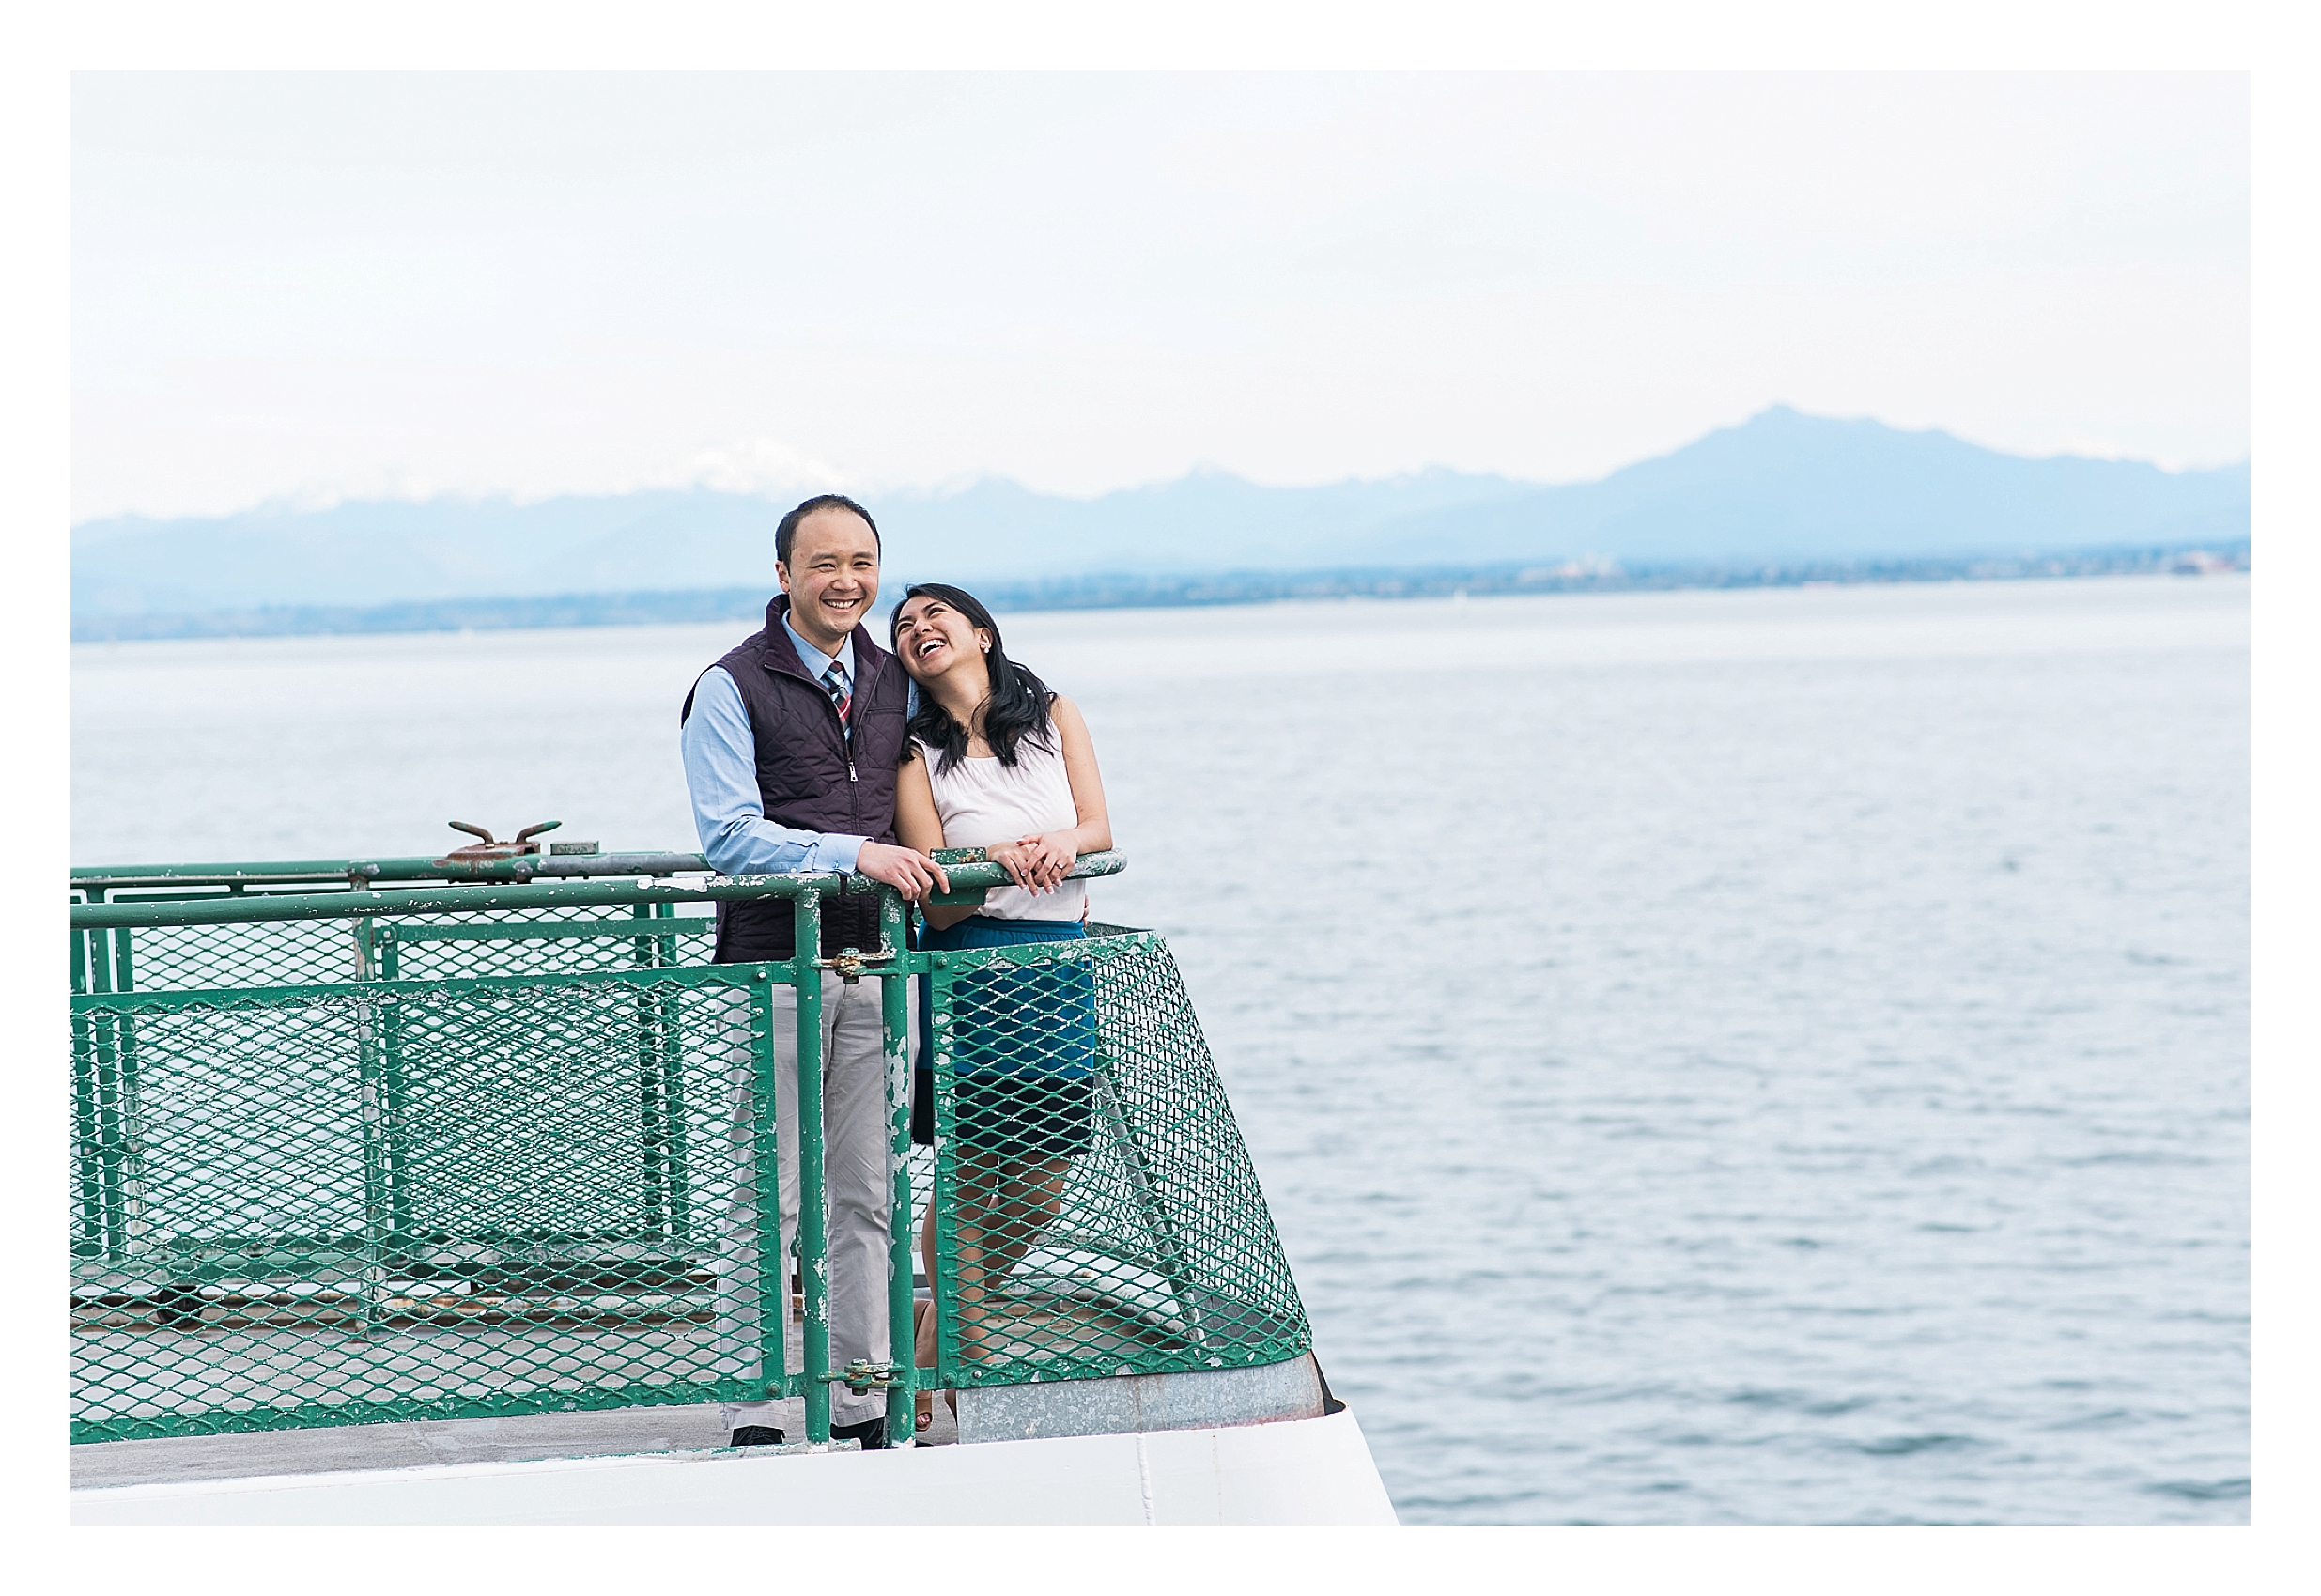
(916,823)
(917,826)
(1040,862)
(1094,834)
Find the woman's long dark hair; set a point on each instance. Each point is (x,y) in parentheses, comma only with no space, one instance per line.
(1016,709)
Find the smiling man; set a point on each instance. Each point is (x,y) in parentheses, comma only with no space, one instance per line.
(792,742)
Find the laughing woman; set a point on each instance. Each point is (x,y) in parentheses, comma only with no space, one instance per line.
(997,762)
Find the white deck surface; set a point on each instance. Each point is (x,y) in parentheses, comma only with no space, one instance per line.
(356,1447)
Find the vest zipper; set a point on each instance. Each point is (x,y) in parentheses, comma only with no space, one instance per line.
(845,737)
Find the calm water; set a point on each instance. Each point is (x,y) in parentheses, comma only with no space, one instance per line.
(1770,1057)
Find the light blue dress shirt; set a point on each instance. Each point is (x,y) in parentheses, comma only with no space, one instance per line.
(720,772)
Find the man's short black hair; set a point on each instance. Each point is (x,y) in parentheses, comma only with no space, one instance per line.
(786,534)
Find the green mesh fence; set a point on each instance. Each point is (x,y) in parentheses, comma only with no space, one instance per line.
(448,946)
(182,958)
(1096,1211)
(179,958)
(343,1170)
(420,1200)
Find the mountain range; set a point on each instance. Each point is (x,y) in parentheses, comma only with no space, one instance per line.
(1782,485)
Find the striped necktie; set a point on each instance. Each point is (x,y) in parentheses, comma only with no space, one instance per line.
(841,695)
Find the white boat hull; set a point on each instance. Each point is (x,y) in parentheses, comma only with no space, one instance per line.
(1291,1471)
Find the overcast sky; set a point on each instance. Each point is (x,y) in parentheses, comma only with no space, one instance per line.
(303,286)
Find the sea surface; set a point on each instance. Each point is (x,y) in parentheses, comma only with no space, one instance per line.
(1773,1056)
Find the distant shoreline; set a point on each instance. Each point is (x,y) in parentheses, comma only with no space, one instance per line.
(1125,591)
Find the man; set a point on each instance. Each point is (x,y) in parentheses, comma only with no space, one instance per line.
(791,746)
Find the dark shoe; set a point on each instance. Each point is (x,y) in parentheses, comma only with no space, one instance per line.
(872,1432)
(757,1435)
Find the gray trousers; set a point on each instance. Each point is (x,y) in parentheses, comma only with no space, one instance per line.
(858,1184)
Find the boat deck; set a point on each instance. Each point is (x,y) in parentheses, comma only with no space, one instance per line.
(525,1438)
(618,1432)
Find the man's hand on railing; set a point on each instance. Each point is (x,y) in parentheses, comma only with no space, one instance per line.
(907,870)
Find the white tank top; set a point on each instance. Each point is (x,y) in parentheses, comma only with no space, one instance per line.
(981,801)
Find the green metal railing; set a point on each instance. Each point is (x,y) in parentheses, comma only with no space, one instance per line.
(349,1152)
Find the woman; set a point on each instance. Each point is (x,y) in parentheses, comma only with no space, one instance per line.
(997,762)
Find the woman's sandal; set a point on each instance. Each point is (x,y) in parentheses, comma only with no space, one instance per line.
(926,1408)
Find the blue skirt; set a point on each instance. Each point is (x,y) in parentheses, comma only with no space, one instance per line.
(1023,1045)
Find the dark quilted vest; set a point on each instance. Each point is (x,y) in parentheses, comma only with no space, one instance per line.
(809,778)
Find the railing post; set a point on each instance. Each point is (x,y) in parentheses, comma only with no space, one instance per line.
(88,1098)
(672,1102)
(653,1094)
(394,1082)
(133,1100)
(812,1240)
(371,1097)
(945,1286)
(773,1267)
(112,1105)
(663,1067)
(894,1018)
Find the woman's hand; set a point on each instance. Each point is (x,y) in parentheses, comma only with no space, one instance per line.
(1037,865)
